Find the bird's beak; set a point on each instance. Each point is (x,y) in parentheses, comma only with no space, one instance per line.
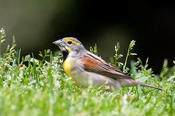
(60,44)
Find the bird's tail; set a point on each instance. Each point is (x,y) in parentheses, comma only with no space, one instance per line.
(147,85)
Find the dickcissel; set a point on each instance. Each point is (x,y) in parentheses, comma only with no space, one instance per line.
(84,67)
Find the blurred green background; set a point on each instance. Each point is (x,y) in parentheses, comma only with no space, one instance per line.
(37,23)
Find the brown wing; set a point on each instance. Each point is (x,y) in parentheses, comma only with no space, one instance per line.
(93,63)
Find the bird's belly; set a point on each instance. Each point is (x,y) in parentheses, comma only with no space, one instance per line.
(86,78)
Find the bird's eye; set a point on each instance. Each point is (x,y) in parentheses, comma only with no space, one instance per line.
(69,42)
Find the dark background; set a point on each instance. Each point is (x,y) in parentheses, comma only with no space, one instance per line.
(37,23)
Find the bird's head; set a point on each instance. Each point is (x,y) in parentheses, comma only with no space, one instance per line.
(69,44)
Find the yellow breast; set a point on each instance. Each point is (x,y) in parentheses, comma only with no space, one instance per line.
(67,65)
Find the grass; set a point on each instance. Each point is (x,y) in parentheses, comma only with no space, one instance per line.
(29,86)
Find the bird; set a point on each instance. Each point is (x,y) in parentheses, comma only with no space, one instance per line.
(87,68)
